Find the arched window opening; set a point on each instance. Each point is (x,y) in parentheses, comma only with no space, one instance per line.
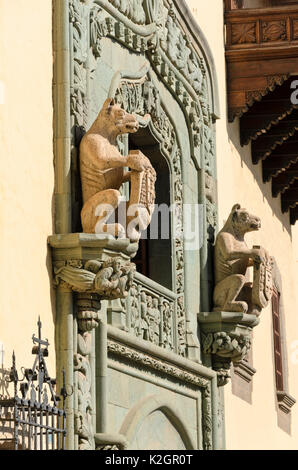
(154,258)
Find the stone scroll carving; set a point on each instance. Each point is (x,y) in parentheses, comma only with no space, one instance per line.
(103,173)
(226,337)
(110,279)
(232,259)
(234,347)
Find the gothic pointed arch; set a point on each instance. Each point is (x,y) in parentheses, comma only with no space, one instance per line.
(141,411)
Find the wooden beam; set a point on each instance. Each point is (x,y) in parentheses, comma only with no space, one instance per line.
(294,215)
(276,136)
(289,199)
(284,180)
(272,166)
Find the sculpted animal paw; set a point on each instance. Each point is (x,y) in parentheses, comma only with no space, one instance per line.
(236,307)
(117,230)
(137,161)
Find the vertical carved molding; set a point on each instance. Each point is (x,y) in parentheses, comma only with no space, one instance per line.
(88,306)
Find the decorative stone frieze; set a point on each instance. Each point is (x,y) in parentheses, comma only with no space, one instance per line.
(153,313)
(226,336)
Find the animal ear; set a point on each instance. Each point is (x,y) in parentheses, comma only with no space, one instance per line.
(236,207)
(108,104)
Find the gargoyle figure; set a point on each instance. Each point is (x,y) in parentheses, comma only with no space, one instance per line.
(103,171)
(232,258)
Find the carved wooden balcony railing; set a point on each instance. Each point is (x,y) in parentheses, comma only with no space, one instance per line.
(262,66)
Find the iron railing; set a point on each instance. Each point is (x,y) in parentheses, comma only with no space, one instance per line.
(32,419)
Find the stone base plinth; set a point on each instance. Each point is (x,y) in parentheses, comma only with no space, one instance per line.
(84,246)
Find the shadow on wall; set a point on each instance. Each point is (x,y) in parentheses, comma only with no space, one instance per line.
(233,130)
(49,262)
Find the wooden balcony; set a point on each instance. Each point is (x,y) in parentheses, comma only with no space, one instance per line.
(262,66)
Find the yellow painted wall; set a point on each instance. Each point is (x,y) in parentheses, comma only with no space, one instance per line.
(26,175)
(239,181)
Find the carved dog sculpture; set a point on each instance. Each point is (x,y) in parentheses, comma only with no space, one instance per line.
(232,258)
(103,171)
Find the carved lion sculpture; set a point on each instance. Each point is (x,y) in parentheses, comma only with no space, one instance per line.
(103,173)
(232,258)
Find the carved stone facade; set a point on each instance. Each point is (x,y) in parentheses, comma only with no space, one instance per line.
(226,337)
(111,279)
(88,319)
(95,277)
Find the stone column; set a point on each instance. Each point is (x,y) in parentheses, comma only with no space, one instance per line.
(87,269)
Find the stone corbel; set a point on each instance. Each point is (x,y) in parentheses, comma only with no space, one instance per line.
(285,402)
(93,264)
(226,337)
(93,268)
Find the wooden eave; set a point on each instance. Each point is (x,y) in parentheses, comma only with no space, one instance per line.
(262,63)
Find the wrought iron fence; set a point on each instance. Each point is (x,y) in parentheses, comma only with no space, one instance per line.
(32,419)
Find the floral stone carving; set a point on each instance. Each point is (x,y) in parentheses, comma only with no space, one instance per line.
(110,279)
(103,173)
(93,264)
(232,259)
(226,336)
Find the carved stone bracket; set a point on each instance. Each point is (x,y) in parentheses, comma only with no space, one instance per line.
(285,402)
(226,337)
(93,264)
(95,268)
